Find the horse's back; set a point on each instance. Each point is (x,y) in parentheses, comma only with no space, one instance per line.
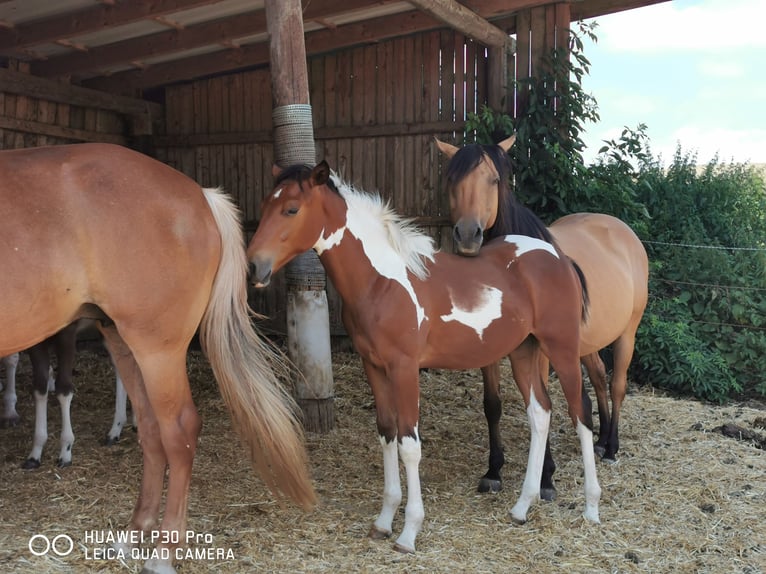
(98,225)
(615,266)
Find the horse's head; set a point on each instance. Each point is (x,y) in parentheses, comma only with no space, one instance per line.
(474,184)
(290,222)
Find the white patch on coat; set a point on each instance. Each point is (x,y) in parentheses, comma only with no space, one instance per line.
(276,195)
(488,307)
(325,243)
(525,244)
(392,245)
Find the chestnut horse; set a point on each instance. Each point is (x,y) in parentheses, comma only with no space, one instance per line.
(406,306)
(611,257)
(102,232)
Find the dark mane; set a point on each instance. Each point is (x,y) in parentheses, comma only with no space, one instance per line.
(300,172)
(512,216)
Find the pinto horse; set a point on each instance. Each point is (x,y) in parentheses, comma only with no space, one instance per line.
(611,257)
(102,232)
(406,306)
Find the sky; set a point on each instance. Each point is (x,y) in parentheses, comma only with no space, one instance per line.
(693,71)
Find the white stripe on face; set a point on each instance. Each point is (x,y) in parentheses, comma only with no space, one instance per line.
(524,244)
(276,195)
(488,307)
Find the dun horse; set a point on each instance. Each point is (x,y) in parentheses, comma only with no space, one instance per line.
(102,232)
(407,306)
(609,253)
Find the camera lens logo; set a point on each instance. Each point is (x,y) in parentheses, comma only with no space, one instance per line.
(60,545)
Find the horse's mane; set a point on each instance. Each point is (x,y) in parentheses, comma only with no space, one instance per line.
(405,238)
(512,216)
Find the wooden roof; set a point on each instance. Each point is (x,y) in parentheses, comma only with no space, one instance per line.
(125,45)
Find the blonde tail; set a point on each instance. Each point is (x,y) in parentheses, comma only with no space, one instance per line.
(246,368)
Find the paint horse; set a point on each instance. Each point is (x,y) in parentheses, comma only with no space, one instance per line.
(406,306)
(64,343)
(102,232)
(609,253)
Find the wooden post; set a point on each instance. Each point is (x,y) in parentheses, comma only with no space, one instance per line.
(308,318)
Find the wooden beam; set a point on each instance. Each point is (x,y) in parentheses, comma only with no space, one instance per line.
(593,8)
(43,129)
(218,31)
(90,20)
(52,91)
(460,18)
(321,41)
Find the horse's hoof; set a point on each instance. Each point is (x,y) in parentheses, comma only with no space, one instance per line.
(30,464)
(518,521)
(548,494)
(111,441)
(609,459)
(599,450)
(10,422)
(490,485)
(403,549)
(376,533)
(63,463)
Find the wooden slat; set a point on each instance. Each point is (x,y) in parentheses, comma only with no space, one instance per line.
(16,127)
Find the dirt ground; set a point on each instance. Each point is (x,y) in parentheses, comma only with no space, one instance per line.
(682,498)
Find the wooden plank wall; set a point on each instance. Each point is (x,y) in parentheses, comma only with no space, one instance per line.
(30,122)
(376,111)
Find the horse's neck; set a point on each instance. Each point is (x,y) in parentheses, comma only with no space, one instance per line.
(353,263)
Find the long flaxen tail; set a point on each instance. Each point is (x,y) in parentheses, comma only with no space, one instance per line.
(246,368)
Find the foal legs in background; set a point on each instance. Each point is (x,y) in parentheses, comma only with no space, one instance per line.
(10,417)
(64,343)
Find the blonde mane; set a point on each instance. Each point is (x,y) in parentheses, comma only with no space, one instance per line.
(408,242)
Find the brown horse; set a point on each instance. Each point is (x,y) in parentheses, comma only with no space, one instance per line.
(609,253)
(407,306)
(102,232)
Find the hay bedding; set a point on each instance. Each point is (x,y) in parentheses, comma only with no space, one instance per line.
(682,498)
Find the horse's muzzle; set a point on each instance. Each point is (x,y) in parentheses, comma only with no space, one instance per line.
(468,237)
(260,273)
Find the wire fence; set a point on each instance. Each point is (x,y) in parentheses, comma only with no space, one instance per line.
(697,284)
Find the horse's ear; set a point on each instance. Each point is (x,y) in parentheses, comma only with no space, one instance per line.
(507,143)
(447,149)
(276,171)
(320,175)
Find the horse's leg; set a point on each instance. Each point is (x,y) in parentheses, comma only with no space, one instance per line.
(120,410)
(167,386)
(65,342)
(10,416)
(597,374)
(547,486)
(406,394)
(525,363)
(623,353)
(147,509)
(386,423)
(40,359)
(493,410)
(567,366)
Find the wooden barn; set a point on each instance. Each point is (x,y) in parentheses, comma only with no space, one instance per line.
(190,83)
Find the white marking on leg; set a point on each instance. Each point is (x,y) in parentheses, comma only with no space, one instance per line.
(539,423)
(488,307)
(592,488)
(41,426)
(392,488)
(9,395)
(525,244)
(410,452)
(51,380)
(67,434)
(120,410)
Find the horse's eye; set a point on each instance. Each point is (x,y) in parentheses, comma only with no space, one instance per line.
(291,211)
